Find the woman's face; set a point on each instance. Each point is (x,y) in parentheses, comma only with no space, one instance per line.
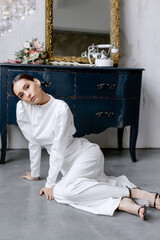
(29,91)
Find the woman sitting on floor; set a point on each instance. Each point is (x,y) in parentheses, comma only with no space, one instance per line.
(48,122)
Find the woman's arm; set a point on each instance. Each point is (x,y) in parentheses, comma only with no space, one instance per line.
(35,159)
(64,128)
(34,147)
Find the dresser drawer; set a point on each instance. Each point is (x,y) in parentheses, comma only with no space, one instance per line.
(12,102)
(59,83)
(114,85)
(97,115)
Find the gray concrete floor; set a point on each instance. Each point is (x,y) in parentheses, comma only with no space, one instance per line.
(24,215)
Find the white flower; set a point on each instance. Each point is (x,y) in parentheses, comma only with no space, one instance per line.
(26,45)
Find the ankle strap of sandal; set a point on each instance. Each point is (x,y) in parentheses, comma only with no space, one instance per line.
(155,199)
(130,193)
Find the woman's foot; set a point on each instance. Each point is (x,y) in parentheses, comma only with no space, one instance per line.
(128,205)
(153,198)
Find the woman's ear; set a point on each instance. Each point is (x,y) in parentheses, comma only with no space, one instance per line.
(37,82)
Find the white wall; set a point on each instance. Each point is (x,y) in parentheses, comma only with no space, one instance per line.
(140,47)
(31,27)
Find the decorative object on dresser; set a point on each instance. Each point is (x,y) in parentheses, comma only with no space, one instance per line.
(99,98)
(102,59)
(33,52)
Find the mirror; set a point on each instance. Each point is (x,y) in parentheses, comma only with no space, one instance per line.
(72,25)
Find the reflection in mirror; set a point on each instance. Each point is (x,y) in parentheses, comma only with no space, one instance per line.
(111,12)
(79,23)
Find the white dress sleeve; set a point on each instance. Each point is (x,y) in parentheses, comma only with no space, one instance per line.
(62,132)
(34,147)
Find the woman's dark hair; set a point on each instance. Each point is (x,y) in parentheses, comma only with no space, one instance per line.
(19,77)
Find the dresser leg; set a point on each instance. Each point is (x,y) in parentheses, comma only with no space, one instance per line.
(120,137)
(4,143)
(133,139)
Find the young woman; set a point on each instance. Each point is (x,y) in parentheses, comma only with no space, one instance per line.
(48,122)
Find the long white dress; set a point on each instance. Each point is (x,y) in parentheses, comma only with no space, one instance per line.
(84,184)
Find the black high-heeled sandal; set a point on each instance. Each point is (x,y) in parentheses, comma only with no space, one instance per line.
(143,206)
(155,199)
(139,201)
(145,212)
(130,193)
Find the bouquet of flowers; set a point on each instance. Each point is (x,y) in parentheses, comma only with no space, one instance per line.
(32,52)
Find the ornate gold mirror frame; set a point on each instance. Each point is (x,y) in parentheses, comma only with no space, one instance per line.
(114,33)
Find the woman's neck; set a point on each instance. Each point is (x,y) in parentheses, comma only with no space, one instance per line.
(45,98)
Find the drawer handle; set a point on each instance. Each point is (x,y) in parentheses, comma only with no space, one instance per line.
(102,114)
(46,84)
(111,86)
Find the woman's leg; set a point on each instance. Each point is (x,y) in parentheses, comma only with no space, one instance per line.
(129,206)
(90,195)
(151,197)
(86,187)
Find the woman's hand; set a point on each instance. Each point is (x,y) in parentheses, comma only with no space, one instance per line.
(29,177)
(48,193)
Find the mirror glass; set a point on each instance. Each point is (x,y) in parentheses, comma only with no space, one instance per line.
(79,23)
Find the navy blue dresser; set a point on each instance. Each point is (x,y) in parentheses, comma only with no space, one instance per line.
(98,97)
